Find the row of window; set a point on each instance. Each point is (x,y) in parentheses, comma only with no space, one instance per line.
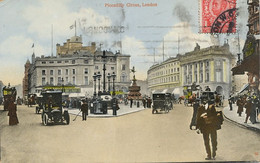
(59,72)
(165,80)
(60,81)
(66,61)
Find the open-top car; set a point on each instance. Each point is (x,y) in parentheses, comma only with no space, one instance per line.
(161,102)
(52,108)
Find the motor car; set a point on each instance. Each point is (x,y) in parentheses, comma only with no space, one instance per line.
(161,103)
(53,111)
(207,96)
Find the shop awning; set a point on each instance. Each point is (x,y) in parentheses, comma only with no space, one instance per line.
(250,64)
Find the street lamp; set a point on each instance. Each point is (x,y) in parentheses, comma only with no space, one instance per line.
(104,70)
(62,82)
(114,77)
(98,76)
(95,79)
(108,77)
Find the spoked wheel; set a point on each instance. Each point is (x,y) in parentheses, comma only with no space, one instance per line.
(45,119)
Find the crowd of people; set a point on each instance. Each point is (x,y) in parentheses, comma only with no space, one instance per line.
(248,103)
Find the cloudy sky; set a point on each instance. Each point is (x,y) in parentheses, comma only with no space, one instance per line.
(27,22)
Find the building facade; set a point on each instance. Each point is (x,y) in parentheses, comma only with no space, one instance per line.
(205,67)
(165,76)
(74,70)
(251,50)
(25,79)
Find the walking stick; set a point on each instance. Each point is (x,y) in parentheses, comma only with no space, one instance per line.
(76,116)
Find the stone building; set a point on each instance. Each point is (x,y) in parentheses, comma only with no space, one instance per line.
(25,79)
(165,76)
(205,67)
(73,68)
(251,50)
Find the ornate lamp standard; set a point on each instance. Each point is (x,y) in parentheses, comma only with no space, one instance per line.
(95,79)
(108,77)
(62,82)
(114,77)
(104,70)
(98,76)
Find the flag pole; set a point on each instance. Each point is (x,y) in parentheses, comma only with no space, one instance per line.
(75,29)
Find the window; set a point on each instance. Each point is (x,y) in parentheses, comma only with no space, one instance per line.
(58,61)
(67,80)
(86,80)
(43,62)
(51,80)
(74,80)
(67,71)
(178,69)
(86,61)
(96,67)
(51,72)
(201,77)
(43,81)
(207,77)
(112,68)
(207,64)
(43,72)
(123,77)
(59,80)
(73,71)
(59,72)
(73,61)
(51,62)
(218,63)
(218,76)
(123,67)
(86,71)
(66,61)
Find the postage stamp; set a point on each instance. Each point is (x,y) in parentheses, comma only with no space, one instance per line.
(217,16)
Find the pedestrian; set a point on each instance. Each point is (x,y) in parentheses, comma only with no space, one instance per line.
(84,109)
(253,111)
(12,108)
(217,100)
(230,102)
(207,124)
(248,106)
(149,102)
(131,102)
(195,110)
(240,105)
(144,102)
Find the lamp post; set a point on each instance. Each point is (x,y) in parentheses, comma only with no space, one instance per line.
(98,76)
(108,77)
(114,77)
(62,82)
(95,79)
(104,70)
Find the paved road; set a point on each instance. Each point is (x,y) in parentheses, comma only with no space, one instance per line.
(137,137)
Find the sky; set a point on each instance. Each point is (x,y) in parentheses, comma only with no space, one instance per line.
(27,22)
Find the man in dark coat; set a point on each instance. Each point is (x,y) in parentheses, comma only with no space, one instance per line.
(144,102)
(149,102)
(207,124)
(248,106)
(240,105)
(195,110)
(131,102)
(84,110)
(230,102)
(12,108)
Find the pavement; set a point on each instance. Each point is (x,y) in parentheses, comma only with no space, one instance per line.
(232,116)
(124,110)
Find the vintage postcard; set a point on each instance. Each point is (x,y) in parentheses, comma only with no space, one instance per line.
(129,81)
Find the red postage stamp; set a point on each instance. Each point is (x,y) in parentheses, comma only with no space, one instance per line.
(218,16)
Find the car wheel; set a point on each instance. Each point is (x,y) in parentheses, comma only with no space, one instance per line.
(45,119)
